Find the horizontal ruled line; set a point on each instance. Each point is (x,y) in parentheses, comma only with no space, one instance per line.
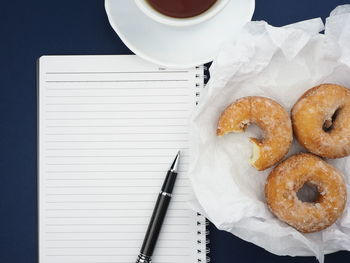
(116,194)
(114,163)
(111,179)
(120,148)
(110,209)
(111,262)
(168,140)
(162,110)
(106,156)
(80,224)
(108,201)
(109,171)
(119,88)
(116,72)
(110,186)
(115,239)
(120,103)
(114,171)
(116,81)
(119,118)
(101,217)
(103,126)
(117,96)
(126,224)
(111,232)
(109,255)
(114,247)
(120,133)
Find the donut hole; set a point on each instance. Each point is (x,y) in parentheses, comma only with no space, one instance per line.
(308,193)
(328,124)
(252,130)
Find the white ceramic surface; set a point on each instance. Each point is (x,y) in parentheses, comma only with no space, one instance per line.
(180,47)
(149,11)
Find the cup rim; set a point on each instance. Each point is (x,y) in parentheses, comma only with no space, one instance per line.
(145,7)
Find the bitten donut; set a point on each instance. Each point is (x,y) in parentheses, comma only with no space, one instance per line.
(270,117)
(321,120)
(289,176)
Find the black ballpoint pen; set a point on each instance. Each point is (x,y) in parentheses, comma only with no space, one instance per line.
(159,213)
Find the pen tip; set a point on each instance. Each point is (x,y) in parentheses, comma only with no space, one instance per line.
(175,164)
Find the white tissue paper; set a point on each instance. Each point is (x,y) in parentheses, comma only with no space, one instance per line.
(279,63)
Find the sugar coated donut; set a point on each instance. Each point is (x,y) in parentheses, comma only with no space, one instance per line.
(270,117)
(288,177)
(321,120)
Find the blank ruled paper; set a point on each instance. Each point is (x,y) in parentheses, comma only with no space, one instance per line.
(109,127)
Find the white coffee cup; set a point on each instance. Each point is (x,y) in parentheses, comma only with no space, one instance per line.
(148,10)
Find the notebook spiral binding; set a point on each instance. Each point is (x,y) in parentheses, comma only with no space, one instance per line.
(202,76)
(202,224)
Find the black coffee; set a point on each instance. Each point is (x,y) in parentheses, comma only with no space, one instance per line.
(181,8)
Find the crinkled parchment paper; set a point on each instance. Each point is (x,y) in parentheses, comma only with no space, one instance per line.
(280,63)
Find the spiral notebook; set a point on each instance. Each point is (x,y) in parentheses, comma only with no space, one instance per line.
(109,127)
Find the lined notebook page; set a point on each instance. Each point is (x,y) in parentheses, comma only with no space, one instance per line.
(109,127)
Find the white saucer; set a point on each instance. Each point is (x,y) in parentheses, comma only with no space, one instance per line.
(176,46)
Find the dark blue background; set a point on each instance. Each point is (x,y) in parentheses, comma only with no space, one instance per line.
(29,29)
